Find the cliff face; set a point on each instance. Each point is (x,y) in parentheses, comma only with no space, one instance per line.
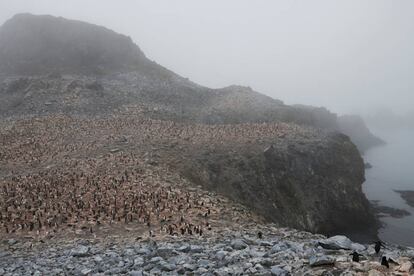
(298,180)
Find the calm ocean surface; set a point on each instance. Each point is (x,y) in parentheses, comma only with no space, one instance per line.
(393,169)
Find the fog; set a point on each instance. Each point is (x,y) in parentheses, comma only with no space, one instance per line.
(350,56)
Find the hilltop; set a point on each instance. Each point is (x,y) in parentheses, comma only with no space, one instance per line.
(104,70)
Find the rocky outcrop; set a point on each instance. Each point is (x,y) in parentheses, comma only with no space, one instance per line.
(355,127)
(305,182)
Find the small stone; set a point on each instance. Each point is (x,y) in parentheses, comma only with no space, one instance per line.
(139,261)
(189,267)
(265,243)
(251,271)
(224,271)
(135,273)
(156,260)
(238,244)
(266,262)
(81,251)
(342,259)
(374,272)
(164,252)
(129,252)
(196,249)
(220,255)
(11,242)
(143,251)
(322,260)
(98,259)
(86,271)
(405,267)
(204,263)
(258,267)
(200,271)
(278,271)
(279,247)
(185,248)
(165,266)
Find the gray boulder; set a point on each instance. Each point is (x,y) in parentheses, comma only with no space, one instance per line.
(341,242)
(238,244)
(81,251)
(321,260)
(278,271)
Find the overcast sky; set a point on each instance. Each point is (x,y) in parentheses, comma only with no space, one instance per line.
(349,55)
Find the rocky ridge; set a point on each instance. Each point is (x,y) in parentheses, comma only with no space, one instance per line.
(34,49)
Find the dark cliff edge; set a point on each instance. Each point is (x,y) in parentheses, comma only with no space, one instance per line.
(309,183)
(52,65)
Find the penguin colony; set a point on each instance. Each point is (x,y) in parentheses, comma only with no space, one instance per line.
(61,172)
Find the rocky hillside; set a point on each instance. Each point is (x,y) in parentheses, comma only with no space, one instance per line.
(59,115)
(49,46)
(295,176)
(119,199)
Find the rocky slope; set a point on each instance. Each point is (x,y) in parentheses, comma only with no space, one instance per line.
(230,140)
(45,45)
(295,176)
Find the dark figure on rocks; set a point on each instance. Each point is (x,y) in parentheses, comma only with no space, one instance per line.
(260,235)
(355,256)
(384,262)
(378,246)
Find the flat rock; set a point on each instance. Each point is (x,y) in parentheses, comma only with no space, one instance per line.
(86,271)
(278,271)
(341,242)
(321,261)
(81,251)
(405,267)
(238,244)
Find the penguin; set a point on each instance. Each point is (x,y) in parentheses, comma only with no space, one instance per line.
(260,235)
(355,256)
(384,262)
(378,246)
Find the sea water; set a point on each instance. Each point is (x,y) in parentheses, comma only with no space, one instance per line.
(393,169)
